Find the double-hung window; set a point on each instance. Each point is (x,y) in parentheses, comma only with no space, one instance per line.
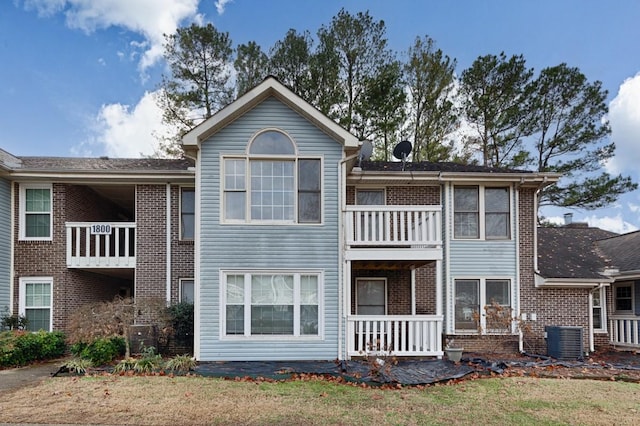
(36,212)
(623,297)
(598,310)
(36,294)
(187,213)
(483,304)
(272,303)
(186,290)
(481,212)
(272,184)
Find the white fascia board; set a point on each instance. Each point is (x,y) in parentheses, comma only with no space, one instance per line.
(534,179)
(542,282)
(106,177)
(269,87)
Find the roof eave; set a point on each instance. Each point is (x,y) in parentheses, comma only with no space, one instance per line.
(542,282)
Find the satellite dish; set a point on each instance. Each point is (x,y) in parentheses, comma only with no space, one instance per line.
(365,152)
(401,151)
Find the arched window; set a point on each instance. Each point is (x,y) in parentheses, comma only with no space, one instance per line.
(272,142)
(272,183)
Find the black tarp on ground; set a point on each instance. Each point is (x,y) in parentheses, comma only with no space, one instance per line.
(404,372)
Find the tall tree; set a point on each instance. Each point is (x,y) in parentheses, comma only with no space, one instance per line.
(199,58)
(251,66)
(494,92)
(361,48)
(384,99)
(569,131)
(429,76)
(289,61)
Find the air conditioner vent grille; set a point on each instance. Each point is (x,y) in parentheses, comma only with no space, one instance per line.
(564,342)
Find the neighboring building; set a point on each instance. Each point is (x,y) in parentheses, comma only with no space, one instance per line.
(588,278)
(291,246)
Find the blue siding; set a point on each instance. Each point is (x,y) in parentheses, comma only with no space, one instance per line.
(227,246)
(5,244)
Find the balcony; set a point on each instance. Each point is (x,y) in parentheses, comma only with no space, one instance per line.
(390,232)
(101,245)
(624,330)
(398,335)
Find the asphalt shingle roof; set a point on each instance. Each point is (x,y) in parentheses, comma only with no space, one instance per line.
(103,164)
(427,166)
(623,250)
(571,252)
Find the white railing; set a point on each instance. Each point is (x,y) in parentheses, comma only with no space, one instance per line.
(624,330)
(401,226)
(397,335)
(101,244)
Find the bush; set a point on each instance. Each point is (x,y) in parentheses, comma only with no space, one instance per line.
(182,322)
(101,351)
(19,347)
(13,322)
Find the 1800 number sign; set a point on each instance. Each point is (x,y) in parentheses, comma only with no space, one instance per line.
(100,229)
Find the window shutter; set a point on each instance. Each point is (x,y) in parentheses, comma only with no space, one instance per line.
(636,297)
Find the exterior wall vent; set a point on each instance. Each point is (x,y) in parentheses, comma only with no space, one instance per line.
(564,342)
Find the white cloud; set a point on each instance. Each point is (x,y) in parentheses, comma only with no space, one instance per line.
(221,4)
(624,117)
(611,223)
(149,18)
(122,131)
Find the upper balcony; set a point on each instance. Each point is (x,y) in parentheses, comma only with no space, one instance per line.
(92,245)
(393,232)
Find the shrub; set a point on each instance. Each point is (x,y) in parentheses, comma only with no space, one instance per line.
(20,347)
(13,322)
(182,323)
(183,363)
(101,351)
(78,365)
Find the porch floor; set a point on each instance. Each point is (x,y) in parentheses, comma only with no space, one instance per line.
(421,372)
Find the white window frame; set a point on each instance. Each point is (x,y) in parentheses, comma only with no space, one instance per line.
(482,213)
(22,299)
(296,336)
(180,291)
(247,157)
(23,211)
(386,297)
(482,302)
(181,189)
(373,189)
(614,296)
(603,310)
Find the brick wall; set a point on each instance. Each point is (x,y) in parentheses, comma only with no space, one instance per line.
(399,289)
(182,252)
(151,253)
(404,195)
(71,288)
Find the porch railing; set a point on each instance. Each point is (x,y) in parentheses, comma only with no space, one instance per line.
(101,244)
(624,330)
(399,335)
(400,226)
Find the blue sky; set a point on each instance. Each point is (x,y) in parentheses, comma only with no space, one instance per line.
(78,76)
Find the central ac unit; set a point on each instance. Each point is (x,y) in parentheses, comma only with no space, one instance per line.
(564,342)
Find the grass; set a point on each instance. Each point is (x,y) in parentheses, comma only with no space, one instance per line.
(154,400)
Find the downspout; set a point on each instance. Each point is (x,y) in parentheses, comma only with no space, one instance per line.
(342,302)
(168,250)
(591,332)
(413,291)
(12,251)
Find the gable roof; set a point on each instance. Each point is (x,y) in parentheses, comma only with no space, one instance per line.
(270,87)
(623,251)
(569,253)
